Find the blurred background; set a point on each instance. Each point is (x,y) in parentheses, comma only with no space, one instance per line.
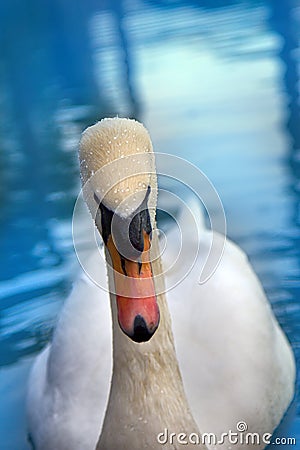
(215,82)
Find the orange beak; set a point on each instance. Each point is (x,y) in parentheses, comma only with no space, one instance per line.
(138,312)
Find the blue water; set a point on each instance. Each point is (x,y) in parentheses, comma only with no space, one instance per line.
(215,82)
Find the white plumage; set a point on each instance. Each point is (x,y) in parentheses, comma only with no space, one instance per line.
(235,361)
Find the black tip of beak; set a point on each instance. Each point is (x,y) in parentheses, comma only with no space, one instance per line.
(141,332)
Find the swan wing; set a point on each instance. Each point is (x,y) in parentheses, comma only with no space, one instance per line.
(236,363)
(70,379)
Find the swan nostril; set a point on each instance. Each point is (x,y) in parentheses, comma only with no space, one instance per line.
(141,332)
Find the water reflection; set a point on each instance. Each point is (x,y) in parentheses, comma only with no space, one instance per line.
(51,90)
(285,20)
(192,63)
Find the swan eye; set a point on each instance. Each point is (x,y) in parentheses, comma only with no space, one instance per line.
(106,219)
(96,199)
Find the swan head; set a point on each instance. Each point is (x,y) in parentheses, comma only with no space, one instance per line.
(119,184)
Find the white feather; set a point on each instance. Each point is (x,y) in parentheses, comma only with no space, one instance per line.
(236,363)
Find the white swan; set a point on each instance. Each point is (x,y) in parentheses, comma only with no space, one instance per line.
(235,361)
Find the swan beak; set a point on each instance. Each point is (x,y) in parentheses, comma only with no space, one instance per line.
(138,312)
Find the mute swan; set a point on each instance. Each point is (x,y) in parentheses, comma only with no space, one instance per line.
(111,384)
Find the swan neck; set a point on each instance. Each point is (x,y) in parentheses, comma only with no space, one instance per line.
(147,393)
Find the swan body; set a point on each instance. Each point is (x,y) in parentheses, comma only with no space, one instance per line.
(236,363)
